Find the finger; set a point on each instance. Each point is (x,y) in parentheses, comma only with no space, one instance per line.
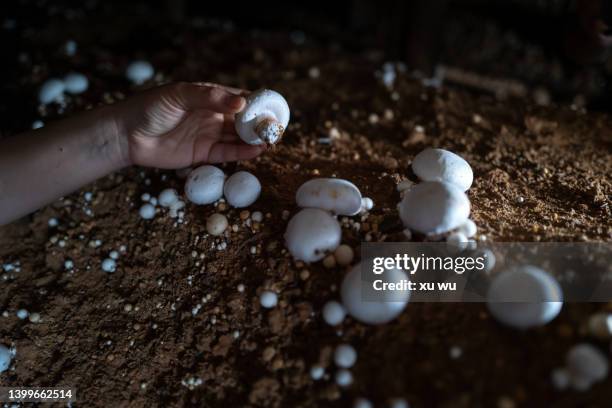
(227,152)
(216,99)
(235,91)
(229,124)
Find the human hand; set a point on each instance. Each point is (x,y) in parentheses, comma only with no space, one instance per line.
(182,124)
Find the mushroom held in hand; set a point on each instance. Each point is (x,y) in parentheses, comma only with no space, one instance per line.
(336,195)
(312,233)
(264,118)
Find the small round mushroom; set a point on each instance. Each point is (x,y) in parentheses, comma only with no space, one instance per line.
(264,118)
(363,304)
(345,356)
(139,72)
(167,197)
(76,83)
(524,297)
(204,185)
(586,365)
(442,165)
(312,233)
(5,358)
(333,313)
(336,195)
(241,189)
(51,91)
(434,207)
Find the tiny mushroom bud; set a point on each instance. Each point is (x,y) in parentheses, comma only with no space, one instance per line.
(524,297)
(442,165)
(76,83)
(336,195)
(434,207)
(51,91)
(333,313)
(147,211)
(167,197)
(216,224)
(139,72)
(109,265)
(468,228)
(363,304)
(345,356)
(344,377)
(311,233)
(268,299)
(204,185)
(264,118)
(241,189)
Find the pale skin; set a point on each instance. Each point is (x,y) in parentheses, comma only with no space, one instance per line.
(170,127)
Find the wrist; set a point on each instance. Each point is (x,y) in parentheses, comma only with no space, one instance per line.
(115,135)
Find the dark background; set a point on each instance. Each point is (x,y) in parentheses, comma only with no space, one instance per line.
(555,49)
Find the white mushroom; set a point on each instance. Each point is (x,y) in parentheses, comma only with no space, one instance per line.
(204,185)
(76,83)
(216,224)
(168,197)
(312,233)
(241,189)
(434,207)
(336,195)
(264,118)
(139,72)
(524,297)
(5,358)
(442,165)
(51,91)
(369,306)
(586,365)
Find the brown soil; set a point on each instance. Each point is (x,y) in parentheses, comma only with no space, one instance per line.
(556,159)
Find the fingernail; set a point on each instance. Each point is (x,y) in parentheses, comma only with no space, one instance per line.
(235,102)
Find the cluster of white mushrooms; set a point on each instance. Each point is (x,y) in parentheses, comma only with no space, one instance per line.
(54,89)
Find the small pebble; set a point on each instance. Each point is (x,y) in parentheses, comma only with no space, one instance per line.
(344,255)
(216,224)
(329,261)
(268,299)
(35,317)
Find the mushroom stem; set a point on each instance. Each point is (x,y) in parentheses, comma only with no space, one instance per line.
(269,130)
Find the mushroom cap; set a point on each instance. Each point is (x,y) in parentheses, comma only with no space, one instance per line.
(5,358)
(51,90)
(336,195)
(139,72)
(241,189)
(204,185)
(368,306)
(524,297)
(442,165)
(434,207)
(311,233)
(260,105)
(587,362)
(76,83)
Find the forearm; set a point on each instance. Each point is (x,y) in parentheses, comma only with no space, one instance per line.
(41,166)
